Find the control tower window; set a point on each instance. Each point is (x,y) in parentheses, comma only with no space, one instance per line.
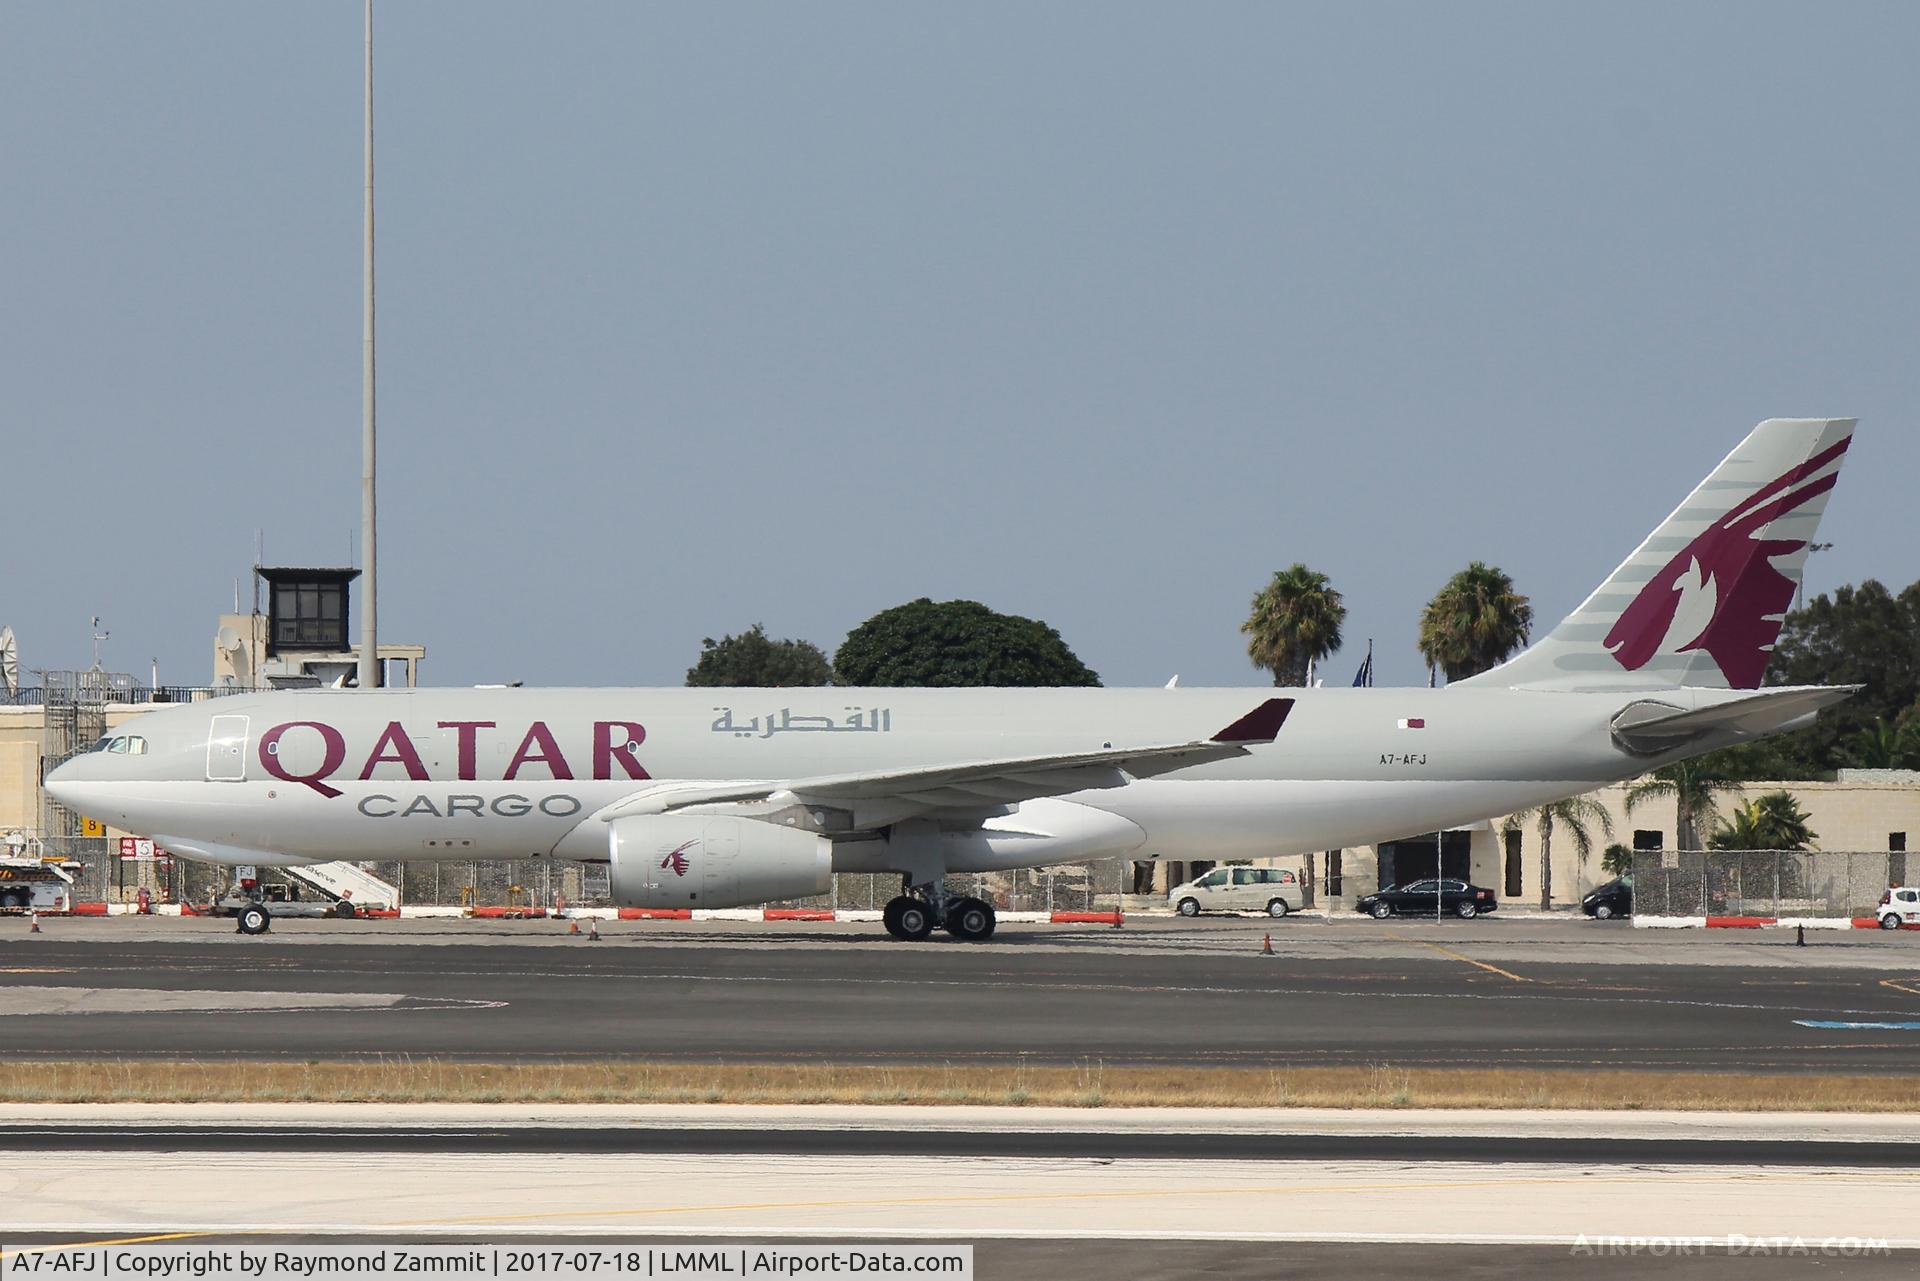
(310,616)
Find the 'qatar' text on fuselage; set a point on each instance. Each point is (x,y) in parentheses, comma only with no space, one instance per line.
(614,745)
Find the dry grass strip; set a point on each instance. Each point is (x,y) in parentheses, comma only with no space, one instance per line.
(1092,1085)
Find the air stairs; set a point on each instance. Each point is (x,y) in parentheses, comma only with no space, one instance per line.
(349,881)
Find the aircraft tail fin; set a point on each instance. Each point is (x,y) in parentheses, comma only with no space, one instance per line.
(1700,602)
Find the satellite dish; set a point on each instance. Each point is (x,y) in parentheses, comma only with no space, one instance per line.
(9,662)
(228,642)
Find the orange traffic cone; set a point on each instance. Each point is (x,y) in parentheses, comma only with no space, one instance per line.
(1266,945)
(33,923)
(573,927)
(593,929)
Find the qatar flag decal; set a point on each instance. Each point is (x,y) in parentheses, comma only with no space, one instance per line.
(1413,722)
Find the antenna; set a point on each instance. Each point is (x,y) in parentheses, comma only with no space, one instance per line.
(98,637)
(369,590)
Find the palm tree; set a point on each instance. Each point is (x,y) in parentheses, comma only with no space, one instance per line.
(1887,745)
(1694,786)
(1774,821)
(1574,814)
(1474,622)
(1295,623)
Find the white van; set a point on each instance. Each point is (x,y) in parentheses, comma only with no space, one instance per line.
(1273,890)
(1899,906)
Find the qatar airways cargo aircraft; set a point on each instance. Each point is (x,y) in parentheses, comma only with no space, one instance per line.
(726,797)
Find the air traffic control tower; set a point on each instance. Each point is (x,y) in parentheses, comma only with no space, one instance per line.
(302,640)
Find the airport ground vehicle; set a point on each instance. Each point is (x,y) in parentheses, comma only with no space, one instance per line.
(1900,905)
(1615,898)
(255,905)
(30,885)
(1273,890)
(1423,898)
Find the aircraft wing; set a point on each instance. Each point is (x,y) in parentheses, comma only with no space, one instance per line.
(875,797)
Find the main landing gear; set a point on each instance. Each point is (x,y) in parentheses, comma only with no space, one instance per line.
(912,917)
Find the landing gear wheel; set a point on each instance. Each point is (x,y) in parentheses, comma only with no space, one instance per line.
(254,919)
(1381,911)
(890,915)
(344,910)
(1277,908)
(914,920)
(970,920)
(1188,907)
(1465,909)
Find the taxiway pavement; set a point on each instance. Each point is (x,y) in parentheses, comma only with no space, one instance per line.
(1464,994)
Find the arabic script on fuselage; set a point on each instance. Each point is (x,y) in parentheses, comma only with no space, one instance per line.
(858,720)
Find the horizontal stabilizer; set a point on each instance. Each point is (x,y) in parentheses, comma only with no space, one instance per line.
(1650,727)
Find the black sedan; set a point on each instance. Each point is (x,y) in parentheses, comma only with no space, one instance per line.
(1423,898)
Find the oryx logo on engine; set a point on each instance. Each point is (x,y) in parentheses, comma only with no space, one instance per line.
(677,858)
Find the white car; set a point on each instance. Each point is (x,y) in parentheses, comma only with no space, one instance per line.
(1273,890)
(1900,905)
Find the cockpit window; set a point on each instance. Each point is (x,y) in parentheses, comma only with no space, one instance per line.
(101,745)
(136,745)
(118,746)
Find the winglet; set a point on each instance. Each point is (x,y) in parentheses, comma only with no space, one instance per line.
(1260,725)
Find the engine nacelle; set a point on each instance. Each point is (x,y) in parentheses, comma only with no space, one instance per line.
(697,860)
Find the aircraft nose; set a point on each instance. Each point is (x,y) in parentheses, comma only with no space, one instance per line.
(69,783)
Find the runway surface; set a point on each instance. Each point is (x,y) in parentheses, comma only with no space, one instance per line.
(1475,994)
(502,1196)
(1075,1259)
(933,1135)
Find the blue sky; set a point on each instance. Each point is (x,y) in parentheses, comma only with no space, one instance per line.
(704,315)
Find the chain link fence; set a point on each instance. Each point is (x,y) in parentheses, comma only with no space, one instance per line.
(103,876)
(1812,883)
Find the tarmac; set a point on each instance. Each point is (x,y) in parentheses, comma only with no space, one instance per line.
(1068,1194)
(1539,993)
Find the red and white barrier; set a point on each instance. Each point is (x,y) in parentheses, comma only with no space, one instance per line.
(495,913)
(1761,923)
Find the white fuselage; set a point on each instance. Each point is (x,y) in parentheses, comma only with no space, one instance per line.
(303,776)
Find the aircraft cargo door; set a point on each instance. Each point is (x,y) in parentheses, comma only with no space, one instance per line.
(227,750)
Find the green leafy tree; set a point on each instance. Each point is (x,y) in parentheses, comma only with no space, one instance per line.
(956,642)
(1617,861)
(1694,786)
(1861,635)
(1773,821)
(1295,623)
(1574,814)
(754,658)
(1474,622)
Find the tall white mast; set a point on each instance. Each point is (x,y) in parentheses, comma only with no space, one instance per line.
(369,588)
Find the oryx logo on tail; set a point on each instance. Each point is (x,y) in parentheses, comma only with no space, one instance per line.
(1722,592)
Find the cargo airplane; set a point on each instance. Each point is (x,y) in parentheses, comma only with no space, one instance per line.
(712,798)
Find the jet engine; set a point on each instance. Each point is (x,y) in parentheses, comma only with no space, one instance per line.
(696,860)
